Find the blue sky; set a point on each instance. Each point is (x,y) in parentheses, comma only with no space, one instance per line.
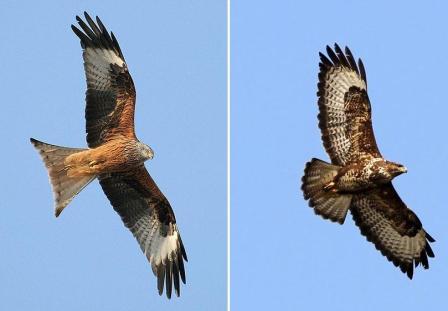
(282,254)
(87,259)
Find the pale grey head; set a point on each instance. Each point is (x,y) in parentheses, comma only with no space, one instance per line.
(145,151)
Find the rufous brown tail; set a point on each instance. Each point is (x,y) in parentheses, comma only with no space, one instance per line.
(65,188)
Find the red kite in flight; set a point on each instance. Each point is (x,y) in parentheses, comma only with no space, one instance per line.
(359,179)
(115,156)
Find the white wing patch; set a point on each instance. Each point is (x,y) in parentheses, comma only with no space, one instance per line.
(103,57)
(164,248)
(97,67)
(156,247)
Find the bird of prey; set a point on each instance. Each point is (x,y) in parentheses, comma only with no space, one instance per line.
(115,156)
(359,179)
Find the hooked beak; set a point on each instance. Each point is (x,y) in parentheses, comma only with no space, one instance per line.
(403,169)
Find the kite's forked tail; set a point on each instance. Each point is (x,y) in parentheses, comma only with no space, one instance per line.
(326,203)
(64,188)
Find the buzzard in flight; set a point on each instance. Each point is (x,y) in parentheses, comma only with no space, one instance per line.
(115,156)
(359,179)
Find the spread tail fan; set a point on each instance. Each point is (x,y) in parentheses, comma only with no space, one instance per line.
(328,204)
(64,188)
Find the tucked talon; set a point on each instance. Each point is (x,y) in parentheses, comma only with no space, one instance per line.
(330,187)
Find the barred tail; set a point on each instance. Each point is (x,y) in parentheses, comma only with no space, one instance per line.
(328,204)
(64,188)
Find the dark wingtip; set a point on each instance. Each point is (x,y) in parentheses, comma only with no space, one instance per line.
(84,39)
(176,278)
(35,142)
(362,70)
(334,58)
(57,212)
(429,238)
(74,29)
(351,60)
(410,272)
(96,35)
(181,267)
(429,251)
(182,248)
(336,47)
(347,50)
(169,279)
(160,279)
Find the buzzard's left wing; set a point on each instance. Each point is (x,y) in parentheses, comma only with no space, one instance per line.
(148,214)
(344,107)
(394,229)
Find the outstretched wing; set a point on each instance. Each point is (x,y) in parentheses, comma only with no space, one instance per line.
(110,92)
(394,229)
(344,107)
(148,214)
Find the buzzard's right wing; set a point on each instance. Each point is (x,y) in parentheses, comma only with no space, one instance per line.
(344,107)
(394,229)
(148,214)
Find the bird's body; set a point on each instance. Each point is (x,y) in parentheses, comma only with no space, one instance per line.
(118,155)
(367,173)
(358,178)
(115,157)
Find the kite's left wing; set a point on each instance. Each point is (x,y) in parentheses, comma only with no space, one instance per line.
(148,214)
(394,229)
(110,96)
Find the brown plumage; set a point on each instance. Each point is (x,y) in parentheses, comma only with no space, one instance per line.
(359,178)
(115,156)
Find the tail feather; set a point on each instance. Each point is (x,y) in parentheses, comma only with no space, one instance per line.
(64,188)
(328,204)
